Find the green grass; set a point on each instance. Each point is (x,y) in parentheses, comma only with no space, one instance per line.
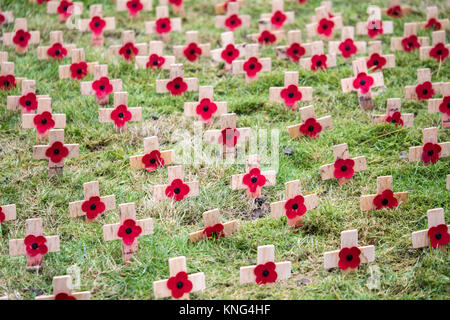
(404,273)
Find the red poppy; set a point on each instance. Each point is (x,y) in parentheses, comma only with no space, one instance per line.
(134,6)
(227,2)
(265,273)
(444,107)
(192,51)
(35,245)
(439,52)
(410,43)
(97,25)
(254,179)
(266,37)
(252,66)
(65,8)
(163,25)
(2,18)
(229,137)
(395,12)
(385,199)
(374,28)
(120,115)
(430,152)
(395,118)
(278,18)
(56,152)
(349,258)
(433,23)
(42,1)
(78,70)
(363,82)
(233,22)
(230,53)
(343,168)
(295,207)
(153,160)
(102,87)
(129,231)
(176,2)
(128,51)
(376,61)
(291,95)
(21,38)
(93,207)
(179,284)
(302,1)
(347,48)
(43,121)
(57,51)
(310,127)
(177,86)
(177,190)
(155,61)
(7,82)
(215,231)
(325,27)
(424,90)
(206,108)
(438,235)
(295,51)
(64,296)
(28,101)
(2,215)
(318,61)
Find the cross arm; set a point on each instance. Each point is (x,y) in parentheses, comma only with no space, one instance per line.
(75,206)
(327,170)
(17,246)
(325,122)
(283,270)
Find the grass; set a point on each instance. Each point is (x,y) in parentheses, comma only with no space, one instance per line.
(404,273)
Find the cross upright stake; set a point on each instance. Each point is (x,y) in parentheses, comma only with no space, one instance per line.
(439,49)
(410,40)
(214,229)
(291,93)
(396,10)
(121,114)
(64,9)
(97,24)
(134,7)
(393,114)
(318,60)
(278,17)
(153,158)
(347,47)
(177,84)
(431,150)
(436,236)
(21,38)
(193,49)
(205,109)
(385,197)
(62,290)
(232,20)
(79,67)
(425,88)
(433,22)
(28,101)
(376,60)
(156,58)
(229,51)
(56,50)
(374,26)
(176,189)
(7,213)
(310,126)
(163,25)
(253,65)
(323,23)
(101,87)
(295,48)
(128,49)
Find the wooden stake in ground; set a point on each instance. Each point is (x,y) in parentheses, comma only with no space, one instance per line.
(64,9)
(7,79)
(214,229)
(176,189)
(34,245)
(436,236)
(156,59)
(318,60)
(347,47)
(433,22)
(206,108)
(153,158)
(79,67)
(396,9)
(324,24)
(93,205)
(291,93)
(21,38)
(267,35)
(62,290)
(374,26)
(101,87)
(128,230)
(439,50)
(57,50)
(229,51)
(343,167)
(295,48)
(193,49)
(351,255)
(7,213)
(232,20)
(393,115)
(121,114)
(163,25)
(97,24)
(295,205)
(177,84)
(253,65)
(385,197)
(128,49)
(431,150)
(278,17)
(266,269)
(134,7)
(28,101)
(310,126)
(376,60)
(410,40)
(426,89)
(180,284)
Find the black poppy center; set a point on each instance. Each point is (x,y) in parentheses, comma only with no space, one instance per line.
(410,44)
(277,19)
(21,38)
(265,273)
(375,62)
(252,66)
(362,82)
(28,103)
(120,115)
(43,121)
(6,83)
(325,26)
(128,51)
(424,91)
(448,105)
(35,246)
(134,5)
(385,202)
(205,108)
(155,63)
(93,206)
(232,22)
(230,53)
(393,121)
(310,128)
(128,230)
(102,87)
(56,151)
(192,51)
(347,48)
(295,206)
(152,160)
(163,25)
(295,51)
(180,284)
(349,257)
(430,152)
(177,86)
(57,52)
(254,179)
(438,236)
(266,39)
(176,190)
(395,13)
(439,52)
(79,71)
(318,63)
(344,168)
(291,95)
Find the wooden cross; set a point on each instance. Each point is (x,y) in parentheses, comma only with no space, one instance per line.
(134,7)
(222,7)
(438,44)
(252,62)
(26,101)
(383,198)
(228,50)
(126,48)
(441,105)
(21,38)
(129,229)
(232,20)
(7,213)
(254,179)
(429,137)
(78,58)
(433,20)
(322,18)
(176,72)
(349,239)
(97,24)
(163,24)
(329,10)
(100,72)
(396,10)
(309,125)
(293,49)
(56,47)
(361,83)
(278,17)
(93,204)
(64,9)
(189,51)
(179,283)
(318,59)
(55,151)
(407,43)
(266,30)
(121,114)
(204,108)
(176,187)
(421,239)
(34,245)
(7,71)
(376,59)
(44,119)
(229,136)
(346,47)
(338,168)
(295,205)
(214,229)
(425,87)
(177,6)
(62,290)
(289,94)
(393,114)
(155,50)
(154,158)
(374,26)
(8,17)
(266,269)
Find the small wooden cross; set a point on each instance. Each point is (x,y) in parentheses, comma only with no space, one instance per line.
(79,67)
(128,230)
(374,26)
(156,58)
(9,81)
(425,88)
(253,65)
(266,269)
(253,180)
(347,47)
(348,258)
(97,24)
(362,83)
(56,50)
(329,10)
(324,24)
(267,34)
(393,114)
(433,20)
(385,197)
(343,167)
(128,47)
(134,7)
(205,109)
(177,84)
(55,151)
(278,17)
(121,114)
(7,213)
(177,6)
(222,7)
(180,284)
(93,204)
(422,238)
(441,105)
(214,229)
(318,60)
(101,77)
(410,40)
(376,59)
(62,290)
(291,93)
(176,188)
(436,51)
(229,51)
(193,48)
(396,9)
(27,101)
(8,17)
(295,205)
(34,245)
(431,150)
(163,25)
(232,20)
(64,9)
(310,125)
(21,38)
(295,48)
(153,158)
